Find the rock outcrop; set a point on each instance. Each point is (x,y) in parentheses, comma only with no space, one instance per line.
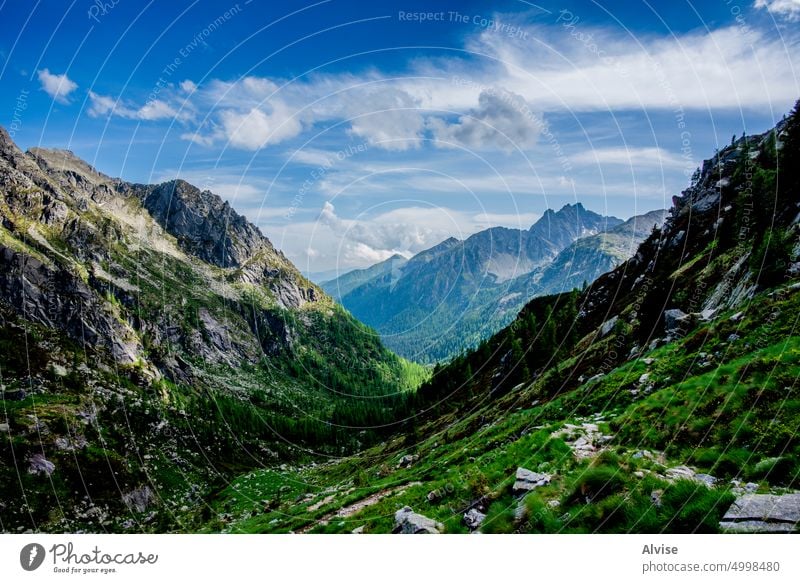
(406,521)
(769,513)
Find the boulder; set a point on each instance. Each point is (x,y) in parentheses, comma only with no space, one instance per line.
(4,428)
(407,460)
(763,513)
(406,521)
(473,518)
(674,320)
(139,499)
(527,481)
(38,464)
(608,326)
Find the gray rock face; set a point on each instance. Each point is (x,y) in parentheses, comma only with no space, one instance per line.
(57,298)
(205,225)
(674,321)
(406,521)
(527,481)
(608,326)
(763,513)
(41,466)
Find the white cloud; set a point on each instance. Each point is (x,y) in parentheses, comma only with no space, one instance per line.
(789,9)
(56,86)
(188,86)
(502,120)
(154,110)
(388,118)
(702,70)
(255,129)
(405,231)
(633,157)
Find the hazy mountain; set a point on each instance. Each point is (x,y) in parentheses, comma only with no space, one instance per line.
(341,286)
(457,293)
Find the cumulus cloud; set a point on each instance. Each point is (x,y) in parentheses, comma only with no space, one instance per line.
(388,118)
(502,120)
(788,9)
(405,231)
(474,102)
(56,86)
(255,129)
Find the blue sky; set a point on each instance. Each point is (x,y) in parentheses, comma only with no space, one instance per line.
(349,131)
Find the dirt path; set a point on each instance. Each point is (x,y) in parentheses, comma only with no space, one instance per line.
(351,509)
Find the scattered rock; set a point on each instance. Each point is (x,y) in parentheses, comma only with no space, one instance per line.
(750,487)
(763,513)
(706,479)
(733,337)
(674,320)
(4,428)
(527,481)
(139,499)
(39,465)
(586,440)
(687,473)
(680,473)
(58,370)
(406,521)
(407,460)
(473,518)
(358,530)
(736,317)
(608,326)
(655,497)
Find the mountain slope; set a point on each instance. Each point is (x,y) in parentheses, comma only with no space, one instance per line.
(166,343)
(452,296)
(648,402)
(343,285)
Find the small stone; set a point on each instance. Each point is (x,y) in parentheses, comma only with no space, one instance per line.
(736,317)
(655,497)
(407,460)
(473,518)
(527,481)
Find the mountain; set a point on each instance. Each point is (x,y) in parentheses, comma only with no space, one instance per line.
(153,342)
(661,398)
(344,284)
(450,297)
(590,257)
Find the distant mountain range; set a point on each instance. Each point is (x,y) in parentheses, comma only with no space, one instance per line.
(452,296)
